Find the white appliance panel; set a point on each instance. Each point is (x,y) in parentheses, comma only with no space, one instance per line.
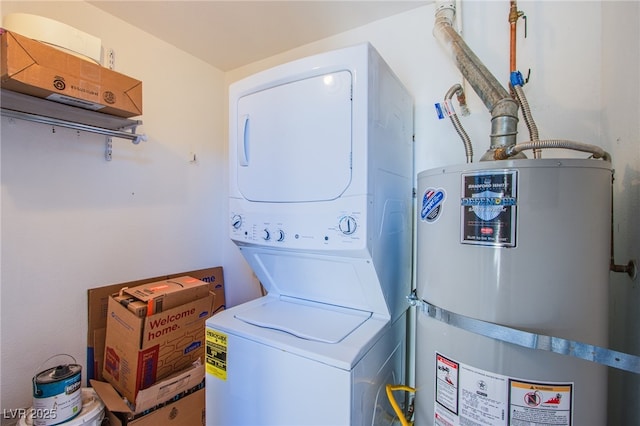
(343,355)
(334,280)
(261,380)
(321,323)
(275,378)
(335,227)
(294,140)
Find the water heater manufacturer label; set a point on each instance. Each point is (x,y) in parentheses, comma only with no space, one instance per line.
(489,208)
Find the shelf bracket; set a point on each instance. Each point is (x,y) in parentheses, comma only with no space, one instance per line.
(108,153)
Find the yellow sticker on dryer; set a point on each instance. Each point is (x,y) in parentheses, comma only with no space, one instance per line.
(216,356)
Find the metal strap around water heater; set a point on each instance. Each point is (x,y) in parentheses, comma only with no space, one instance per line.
(530,340)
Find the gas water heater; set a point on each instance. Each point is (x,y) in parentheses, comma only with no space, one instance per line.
(513,259)
(523,244)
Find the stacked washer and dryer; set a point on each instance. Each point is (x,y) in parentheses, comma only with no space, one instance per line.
(321,178)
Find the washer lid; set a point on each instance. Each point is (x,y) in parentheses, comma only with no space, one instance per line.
(306,320)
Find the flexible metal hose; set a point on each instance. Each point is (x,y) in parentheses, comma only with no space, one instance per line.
(596,151)
(468,148)
(528,118)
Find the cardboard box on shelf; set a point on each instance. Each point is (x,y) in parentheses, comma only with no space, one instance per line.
(34,68)
(178,400)
(98,299)
(139,351)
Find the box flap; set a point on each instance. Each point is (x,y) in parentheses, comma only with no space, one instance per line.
(169,387)
(150,291)
(17,58)
(157,394)
(112,400)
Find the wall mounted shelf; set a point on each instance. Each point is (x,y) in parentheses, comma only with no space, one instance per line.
(25,107)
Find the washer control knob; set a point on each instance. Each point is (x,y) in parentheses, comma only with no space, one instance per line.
(236,221)
(280,235)
(347,225)
(266,235)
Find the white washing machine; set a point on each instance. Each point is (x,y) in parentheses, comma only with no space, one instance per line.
(321,181)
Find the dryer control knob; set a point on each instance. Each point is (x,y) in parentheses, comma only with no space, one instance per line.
(347,225)
(236,221)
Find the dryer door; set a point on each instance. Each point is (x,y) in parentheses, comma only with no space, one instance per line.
(294,140)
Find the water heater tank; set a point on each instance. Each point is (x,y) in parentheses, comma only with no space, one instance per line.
(523,244)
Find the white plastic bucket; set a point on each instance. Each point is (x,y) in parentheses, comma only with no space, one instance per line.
(92,412)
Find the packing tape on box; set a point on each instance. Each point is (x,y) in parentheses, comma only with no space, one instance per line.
(54,33)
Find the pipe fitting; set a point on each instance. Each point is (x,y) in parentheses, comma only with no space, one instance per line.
(504,124)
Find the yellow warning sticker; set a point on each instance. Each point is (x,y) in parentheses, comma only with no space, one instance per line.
(216,357)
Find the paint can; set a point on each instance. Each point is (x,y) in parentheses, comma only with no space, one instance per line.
(57,395)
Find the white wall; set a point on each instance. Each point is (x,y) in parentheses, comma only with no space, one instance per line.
(620,126)
(584,61)
(71,221)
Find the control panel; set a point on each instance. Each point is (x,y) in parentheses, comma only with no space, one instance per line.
(341,230)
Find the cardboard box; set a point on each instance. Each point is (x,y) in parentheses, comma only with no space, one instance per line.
(187,411)
(175,401)
(98,299)
(141,351)
(162,295)
(38,69)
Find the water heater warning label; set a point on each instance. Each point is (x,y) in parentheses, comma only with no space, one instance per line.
(539,403)
(216,356)
(488,203)
(466,395)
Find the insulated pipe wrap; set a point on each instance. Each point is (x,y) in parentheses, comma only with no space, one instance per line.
(504,110)
(483,83)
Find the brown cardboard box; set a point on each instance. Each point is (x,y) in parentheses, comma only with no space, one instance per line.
(187,411)
(37,69)
(98,299)
(141,351)
(166,294)
(176,401)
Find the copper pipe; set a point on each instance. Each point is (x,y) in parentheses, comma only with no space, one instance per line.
(513,19)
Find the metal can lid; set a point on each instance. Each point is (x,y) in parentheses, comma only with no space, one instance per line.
(58,373)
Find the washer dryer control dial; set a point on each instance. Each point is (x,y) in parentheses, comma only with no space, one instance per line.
(347,225)
(236,221)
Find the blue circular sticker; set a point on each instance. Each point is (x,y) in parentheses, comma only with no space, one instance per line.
(432,202)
